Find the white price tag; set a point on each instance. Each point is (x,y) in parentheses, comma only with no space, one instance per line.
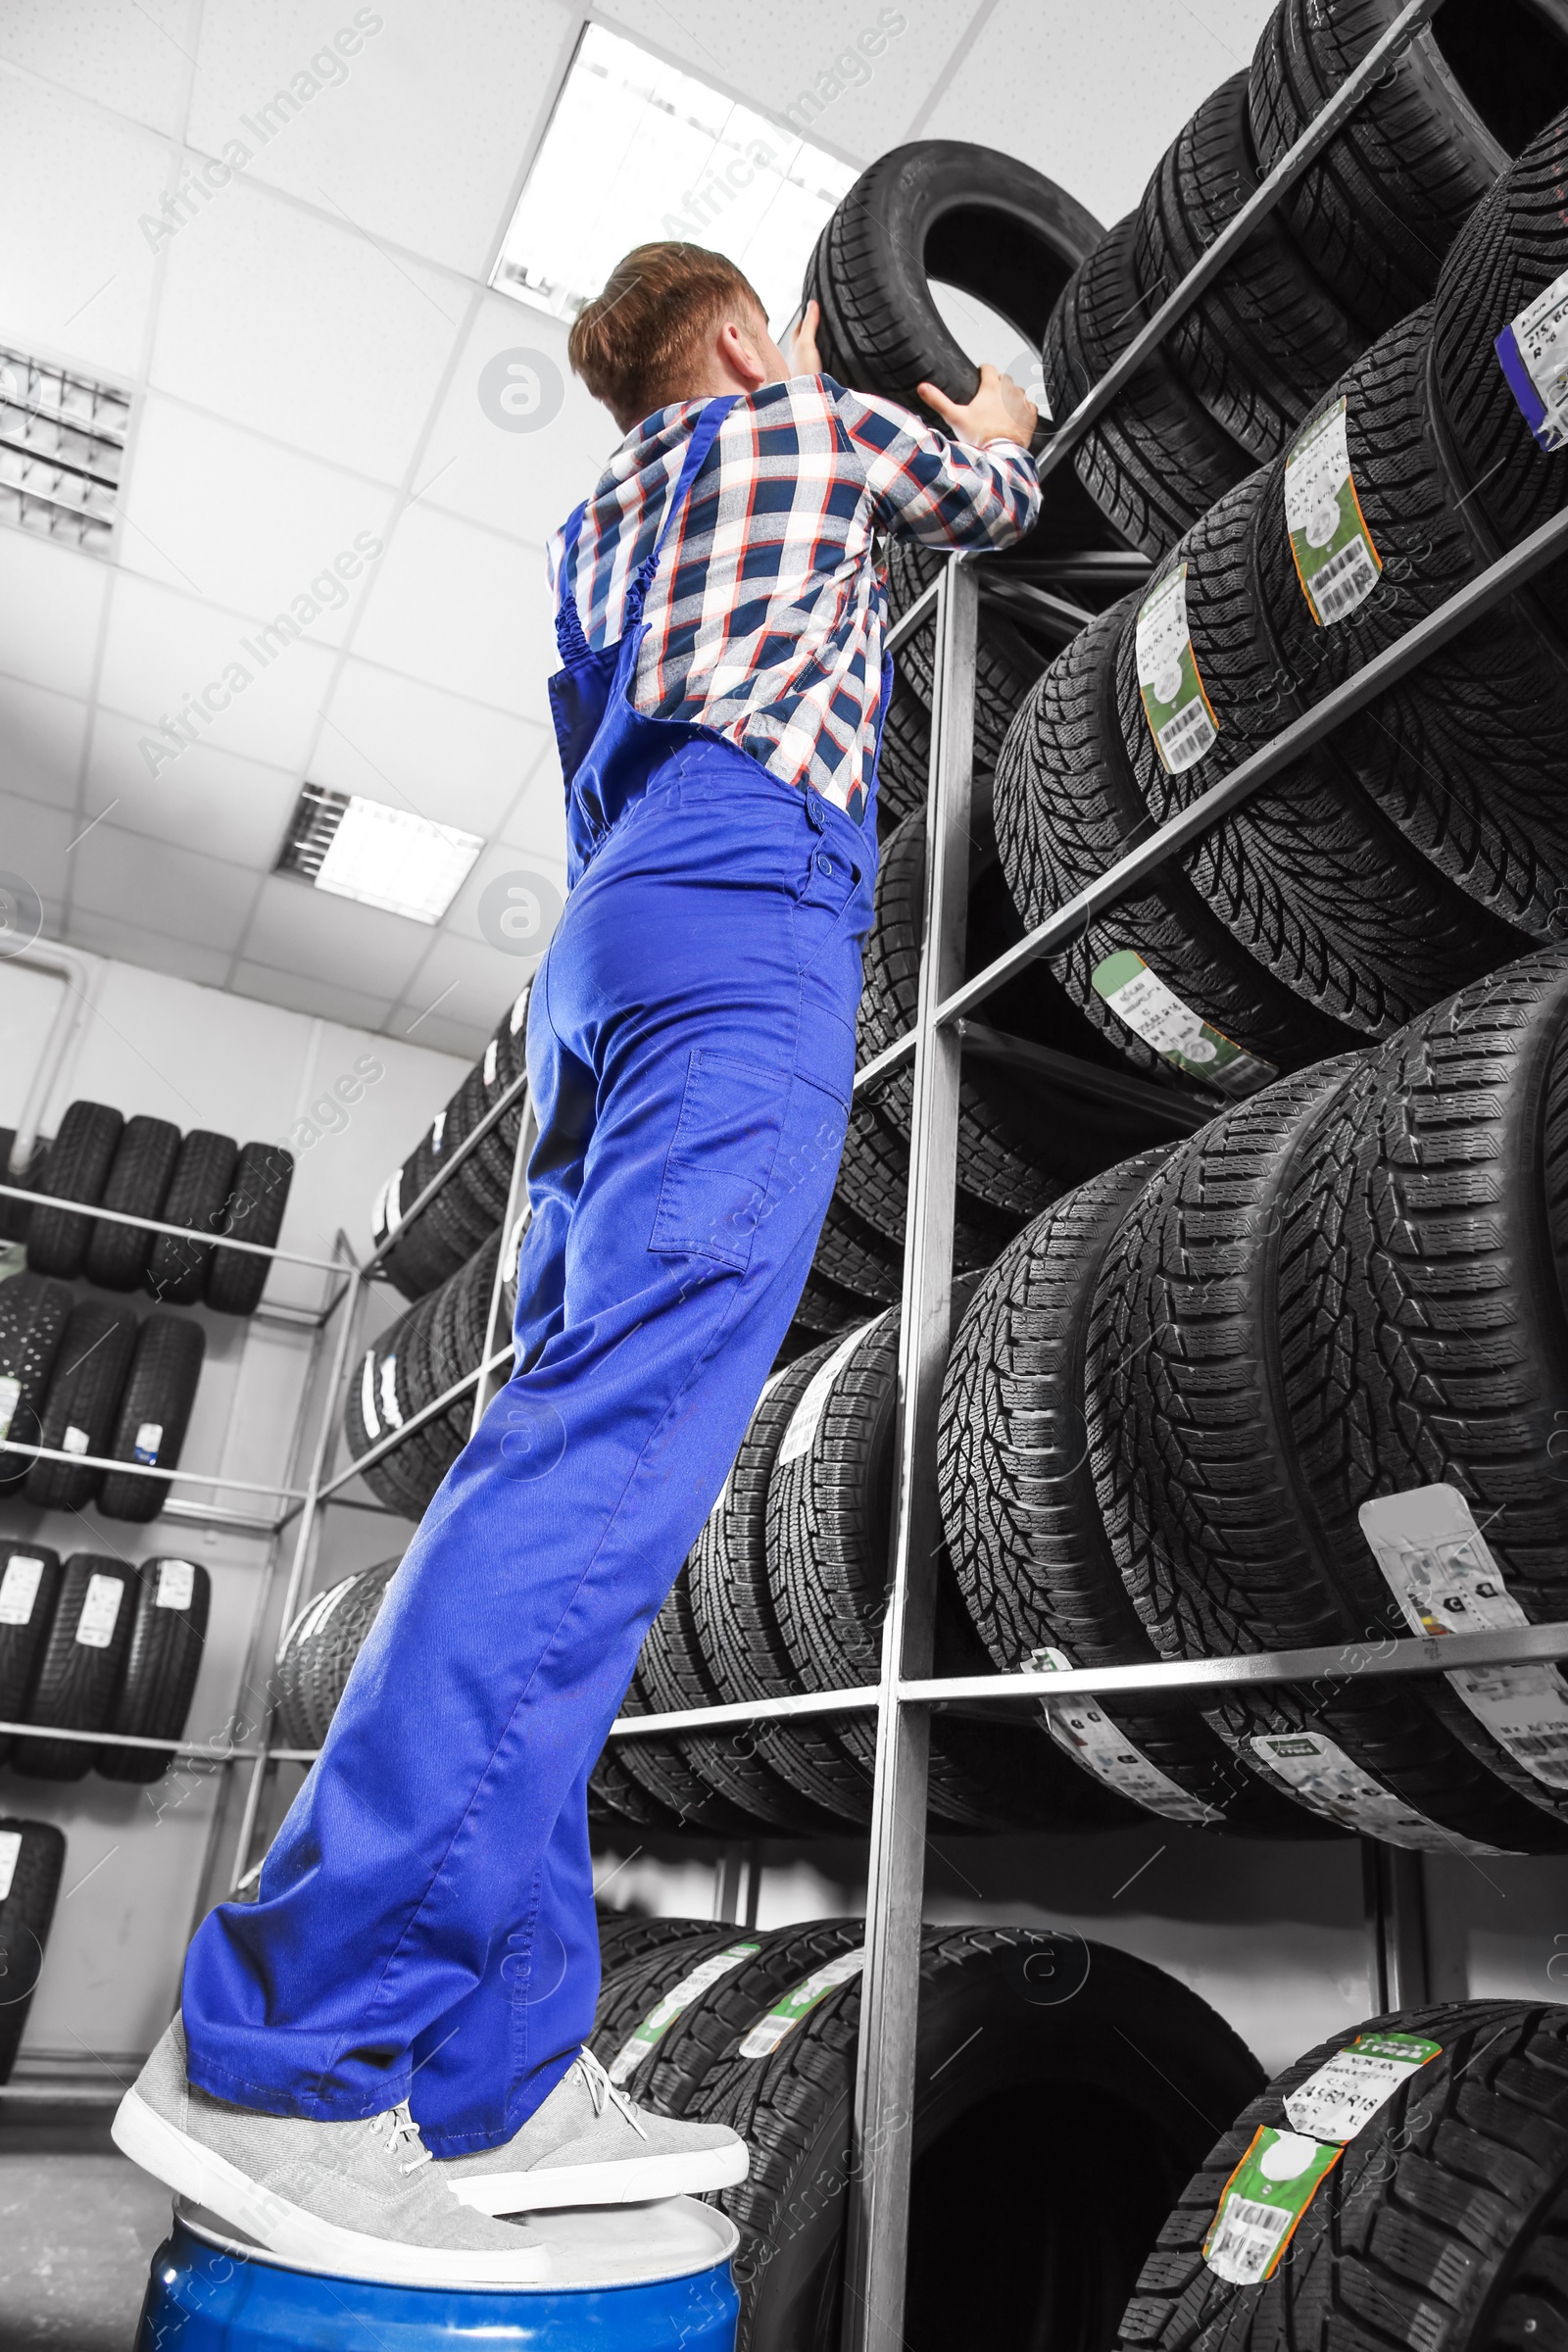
(785,2015)
(391,1411)
(1534,353)
(1440,1569)
(74,1441)
(176,1585)
(1103,1749)
(1348,2089)
(9,1399)
(1180,716)
(491,1051)
(679,1998)
(10,1855)
(807,1414)
(1336,562)
(149,1437)
(1327,1780)
(18,1588)
(367,1412)
(100,1612)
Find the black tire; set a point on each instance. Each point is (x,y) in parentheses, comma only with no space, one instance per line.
(76,1169)
(421,1258)
(375,1403)
(748,1974)
(619,1797)
(16,1216)
(625,1936)
(137,1184)
(1309,876)
(855,1258)
(1022,1519)
(33,1314)
(1156,460)
(904,764)
(252,1212)
(1117,2053)
(162,1664)
(873,1179)
(1006,660)
(674,1673)
(35,1864)
(316,1654)
(1379,209)
(659,1764)
(1198,1434)
(29,1586)
(1066,808)
(939,209)
(1445,1176)
(154,1414)
(77,1680)
(737,1622)
(1455,756)
(634,1986)
(1267,336)
(829,1505)
(1444,2216)
(85,1386)
(823,1309)
(198,1196)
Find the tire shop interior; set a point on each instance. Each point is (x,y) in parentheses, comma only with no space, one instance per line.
(1194,1292)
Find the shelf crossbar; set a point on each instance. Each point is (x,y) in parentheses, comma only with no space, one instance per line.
(180,1233)
(443,1175)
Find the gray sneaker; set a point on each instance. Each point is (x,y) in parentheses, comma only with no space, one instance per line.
(591,2144)
(360,2200)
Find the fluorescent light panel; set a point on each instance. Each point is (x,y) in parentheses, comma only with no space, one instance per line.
(62,445)
(637,150)
(387,857)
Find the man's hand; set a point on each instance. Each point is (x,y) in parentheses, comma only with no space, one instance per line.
(998,412)
(803,359)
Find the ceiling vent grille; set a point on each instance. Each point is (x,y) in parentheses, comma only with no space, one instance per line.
(312,830)
(62,447)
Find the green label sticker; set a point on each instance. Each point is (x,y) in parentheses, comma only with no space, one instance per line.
(768,2031)
(1262,2202)
(1348,2089)
(656,2023)
(1181,717)
(1157,1015)
(1336,562)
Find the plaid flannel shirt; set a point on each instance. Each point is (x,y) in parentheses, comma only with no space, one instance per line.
(766,613)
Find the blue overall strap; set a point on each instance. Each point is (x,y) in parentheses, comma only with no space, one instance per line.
(705,434)
(570,642)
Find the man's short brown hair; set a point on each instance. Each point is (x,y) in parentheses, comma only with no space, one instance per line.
(634,344)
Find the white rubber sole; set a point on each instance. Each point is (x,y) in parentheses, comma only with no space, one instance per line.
(278,2226)
(628,2180)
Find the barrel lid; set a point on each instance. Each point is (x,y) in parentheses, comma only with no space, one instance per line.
(585,2246)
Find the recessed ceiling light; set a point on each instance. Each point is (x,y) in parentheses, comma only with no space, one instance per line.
(383,856)
(62,445)
(637,150)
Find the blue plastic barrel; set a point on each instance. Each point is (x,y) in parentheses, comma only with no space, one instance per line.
(630,2278)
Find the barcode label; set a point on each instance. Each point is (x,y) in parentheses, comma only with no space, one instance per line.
(1246,2239)
(1344,581)
(1185,737)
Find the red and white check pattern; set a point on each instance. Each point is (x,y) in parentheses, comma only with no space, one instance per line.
(766,613)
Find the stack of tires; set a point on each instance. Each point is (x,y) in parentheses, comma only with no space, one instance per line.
(319,1650)
(1426,842)
(91,1644)
(431,1346)
(1297,1382)
(472,1205)
(145,1167)
(84,1378)
(757,2028)
(1356,243)
(32,1861)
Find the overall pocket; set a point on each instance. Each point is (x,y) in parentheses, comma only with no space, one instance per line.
(721,1159)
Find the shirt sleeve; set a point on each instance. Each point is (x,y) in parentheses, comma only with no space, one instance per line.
(925,486)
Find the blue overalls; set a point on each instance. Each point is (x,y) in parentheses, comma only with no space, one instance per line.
(424,1927)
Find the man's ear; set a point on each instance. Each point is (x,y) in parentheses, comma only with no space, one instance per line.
(739,356)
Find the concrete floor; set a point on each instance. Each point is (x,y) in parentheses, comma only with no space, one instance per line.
(78,2227)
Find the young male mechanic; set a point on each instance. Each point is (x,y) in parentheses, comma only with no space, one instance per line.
(385,2051)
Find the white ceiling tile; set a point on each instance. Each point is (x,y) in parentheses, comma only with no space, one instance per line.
(153,951)
(74,186)
(1122,81)
(51,603)
(461,980)
(41,737)
(455,90)
(325,997)
(240,521)
(462,608)
(160,888)
(300,929)
(396,740)
(544,876)
(304,328)
(130,55)
(521,481)
(163,648)
(207,800)
(34,838)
